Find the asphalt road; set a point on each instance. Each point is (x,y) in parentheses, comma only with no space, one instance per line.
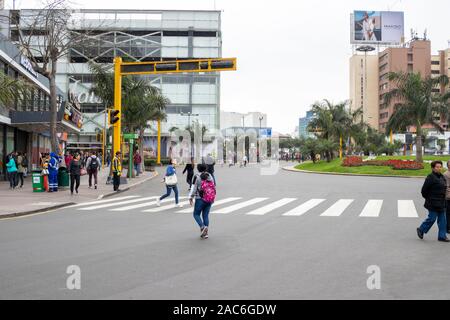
(322,252)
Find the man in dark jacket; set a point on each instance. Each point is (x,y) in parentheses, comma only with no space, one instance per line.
(433,191)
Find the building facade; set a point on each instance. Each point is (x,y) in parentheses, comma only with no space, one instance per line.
(24,126)
(303,131)
(364,87)
(141,35)
(242,120)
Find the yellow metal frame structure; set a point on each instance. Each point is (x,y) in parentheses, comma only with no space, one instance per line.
(160,67)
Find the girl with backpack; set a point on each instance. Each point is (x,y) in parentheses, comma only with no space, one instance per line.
(204,191)
(171,184)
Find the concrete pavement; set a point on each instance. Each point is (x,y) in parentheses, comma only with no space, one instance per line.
(133,254)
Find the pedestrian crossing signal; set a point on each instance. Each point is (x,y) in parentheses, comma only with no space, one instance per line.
(114,116)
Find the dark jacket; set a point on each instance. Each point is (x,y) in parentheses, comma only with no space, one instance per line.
(433,191)
(75,168)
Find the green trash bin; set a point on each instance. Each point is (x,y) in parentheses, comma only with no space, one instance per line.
(38,181)
(63,178)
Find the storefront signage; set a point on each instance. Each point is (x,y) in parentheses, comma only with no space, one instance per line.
(28,66)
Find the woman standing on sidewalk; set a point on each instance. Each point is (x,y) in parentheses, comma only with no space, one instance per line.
(434,190)
(75,172)
(171,184)
(20,169)
(12,171)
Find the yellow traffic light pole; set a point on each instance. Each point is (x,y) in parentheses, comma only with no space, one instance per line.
(159,67)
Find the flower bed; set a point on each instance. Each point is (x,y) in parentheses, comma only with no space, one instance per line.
(395,164)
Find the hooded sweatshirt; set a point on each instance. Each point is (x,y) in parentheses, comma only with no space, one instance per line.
(197,185)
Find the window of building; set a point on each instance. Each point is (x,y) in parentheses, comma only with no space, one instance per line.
(435,72)
(435,63)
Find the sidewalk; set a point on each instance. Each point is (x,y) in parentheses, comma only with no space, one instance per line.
(23,201)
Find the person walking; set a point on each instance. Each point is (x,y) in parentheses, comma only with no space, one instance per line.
(210,162)
(11,169)
(75,173)
(447,195)
(25,164)
(117,170)
(68,159)
(137,160)
(92,166)
(204,191)
(53,166)
(20,169)
(245,159)
(434,191)
(190,172)
(171,182)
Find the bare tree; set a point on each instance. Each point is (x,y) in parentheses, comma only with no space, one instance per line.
(44,36)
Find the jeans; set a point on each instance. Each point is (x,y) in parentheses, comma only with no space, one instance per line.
(93,173)
(169,191)
(202,208)
(137,167)
(74,179)
(12,179)
(19,177)
(448,215)
(441,221)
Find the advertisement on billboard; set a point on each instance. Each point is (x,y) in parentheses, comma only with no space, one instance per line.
(377,27)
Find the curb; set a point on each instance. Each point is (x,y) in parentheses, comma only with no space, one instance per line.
(351,174)
(63,205)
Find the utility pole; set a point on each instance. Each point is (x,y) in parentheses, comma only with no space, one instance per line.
(261,118)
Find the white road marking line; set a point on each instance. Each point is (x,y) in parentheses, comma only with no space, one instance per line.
(338,208)
(372,209)
(270,207)
(115,204)
(163,208)
(407,209)
(101,201)
(145,204)
(217,203)
(240,205)
(303,208)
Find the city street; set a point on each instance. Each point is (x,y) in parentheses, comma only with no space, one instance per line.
(288,236)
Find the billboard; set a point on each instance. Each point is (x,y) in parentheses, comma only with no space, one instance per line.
(377,27)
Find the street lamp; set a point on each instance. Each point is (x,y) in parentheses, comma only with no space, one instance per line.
(365,49)
(189,115)
(261,118)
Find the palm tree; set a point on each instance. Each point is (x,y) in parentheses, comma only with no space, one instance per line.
(416,105)
(11,89)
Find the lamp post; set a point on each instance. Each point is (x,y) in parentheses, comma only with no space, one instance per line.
(261,118)
(365,49)
(189,115)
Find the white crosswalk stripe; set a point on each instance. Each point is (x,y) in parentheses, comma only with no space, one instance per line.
(145,204)
(337,209)
(303,208)
(407,209)
(101,201)
(238,206)
(114,204)
(217,203)
(163,208)
(372,209)
(270,207)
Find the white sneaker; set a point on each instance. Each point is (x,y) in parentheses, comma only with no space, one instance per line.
(204,234)
(158,202)
(180,205)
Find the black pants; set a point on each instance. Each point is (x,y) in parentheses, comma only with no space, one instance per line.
(19,177)
(12,179)
(74,179)
(92,173)
(116,181)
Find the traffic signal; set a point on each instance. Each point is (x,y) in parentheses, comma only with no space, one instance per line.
(114,116)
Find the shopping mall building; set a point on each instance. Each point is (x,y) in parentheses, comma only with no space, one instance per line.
(139,35)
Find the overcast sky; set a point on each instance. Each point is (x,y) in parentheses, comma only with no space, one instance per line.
(290,53)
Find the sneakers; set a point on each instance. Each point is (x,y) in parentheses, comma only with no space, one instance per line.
(158,202)
(95,187)
(420,233)
(443,240)
(204,233)
(180,205)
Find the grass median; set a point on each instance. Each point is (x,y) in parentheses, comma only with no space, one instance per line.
(335,166)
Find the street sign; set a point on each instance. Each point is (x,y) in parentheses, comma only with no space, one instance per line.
(266,132)
(129,136)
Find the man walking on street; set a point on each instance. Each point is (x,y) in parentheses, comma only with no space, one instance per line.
(92,165)
(434,191)
(117,170)
(137,160)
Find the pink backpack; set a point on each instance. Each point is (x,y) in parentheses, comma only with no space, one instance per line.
(208,191)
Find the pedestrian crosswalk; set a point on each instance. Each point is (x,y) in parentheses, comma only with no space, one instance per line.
(261,206)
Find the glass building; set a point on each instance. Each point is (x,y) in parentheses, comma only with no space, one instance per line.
(303,125)
(140,35)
